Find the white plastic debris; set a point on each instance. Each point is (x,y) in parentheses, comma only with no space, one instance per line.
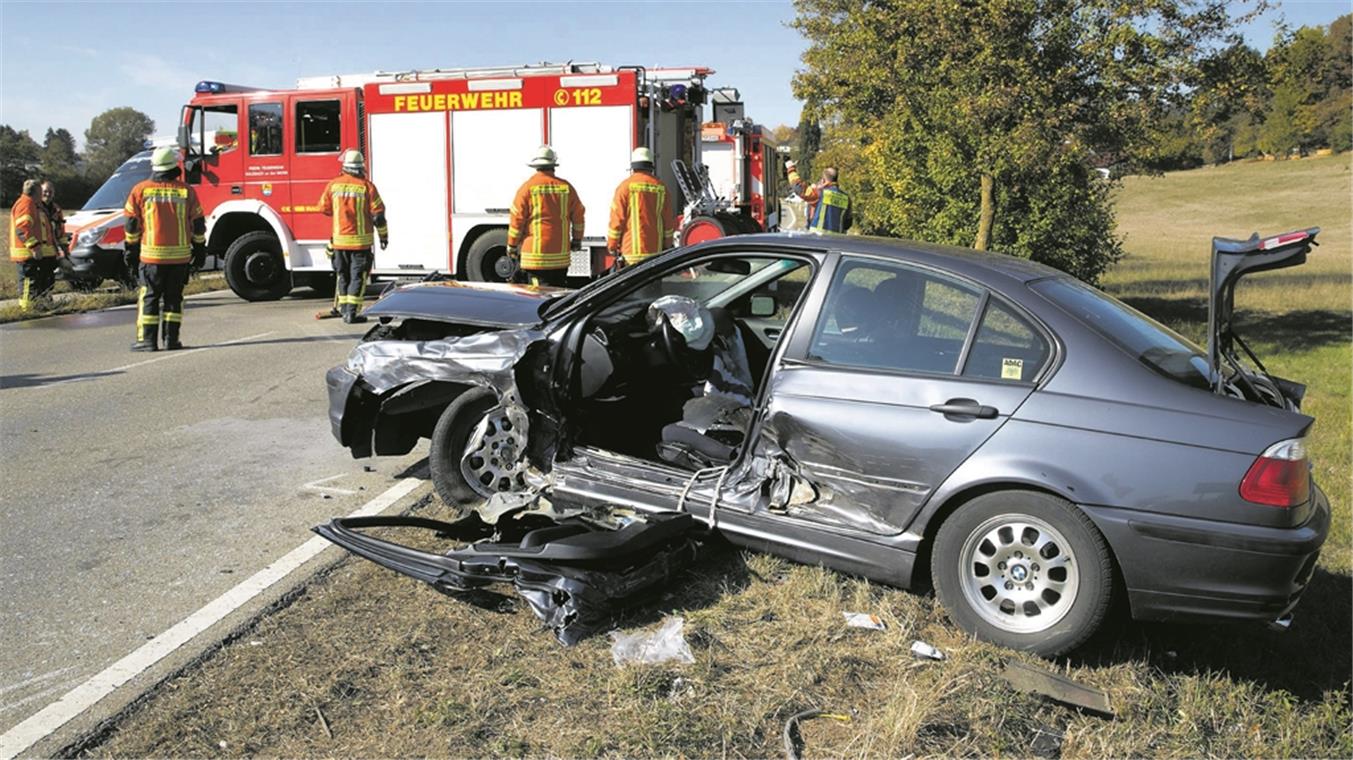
(864,620)
(667,644)
(924,651)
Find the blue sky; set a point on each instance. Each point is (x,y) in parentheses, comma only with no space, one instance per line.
(103,55)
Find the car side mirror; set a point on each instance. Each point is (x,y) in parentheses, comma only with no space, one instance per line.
(192,170)
(762,306)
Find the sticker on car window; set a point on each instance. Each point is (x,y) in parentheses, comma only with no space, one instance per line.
(1012,369)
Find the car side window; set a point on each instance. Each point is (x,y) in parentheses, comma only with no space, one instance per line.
(893,317)
(1006,348)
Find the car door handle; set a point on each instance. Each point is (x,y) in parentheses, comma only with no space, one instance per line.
(965,407)
(772,332)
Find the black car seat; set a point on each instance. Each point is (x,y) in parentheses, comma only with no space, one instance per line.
(683,442)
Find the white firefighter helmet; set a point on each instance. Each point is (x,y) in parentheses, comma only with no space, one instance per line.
(545,158)
(352,160)
(164,159)
(790,165)
(641,155)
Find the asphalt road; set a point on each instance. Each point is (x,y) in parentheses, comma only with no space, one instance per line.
(138,487)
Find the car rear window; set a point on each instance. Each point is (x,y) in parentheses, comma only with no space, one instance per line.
(1152,343)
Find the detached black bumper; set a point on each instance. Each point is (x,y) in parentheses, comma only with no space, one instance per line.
(1185,570)
(574,576)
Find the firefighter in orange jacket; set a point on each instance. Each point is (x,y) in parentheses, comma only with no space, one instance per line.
(166,234)
(357,209)
(31,246)
(545,224)
(641,213)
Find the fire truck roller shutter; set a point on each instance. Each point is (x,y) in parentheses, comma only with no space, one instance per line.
(488,153)
(408,166)
(593,143)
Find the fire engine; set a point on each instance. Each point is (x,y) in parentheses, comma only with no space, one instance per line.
(447,148)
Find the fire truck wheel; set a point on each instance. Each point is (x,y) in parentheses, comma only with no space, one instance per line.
(487,255)
(254,268)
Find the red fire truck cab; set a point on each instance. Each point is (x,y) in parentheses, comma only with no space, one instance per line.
(446,148)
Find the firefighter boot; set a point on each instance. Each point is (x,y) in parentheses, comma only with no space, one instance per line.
(171,336)
(150,339)
(350,315)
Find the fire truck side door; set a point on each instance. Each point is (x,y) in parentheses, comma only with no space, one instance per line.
(320,126)
(266,161)
(215,145)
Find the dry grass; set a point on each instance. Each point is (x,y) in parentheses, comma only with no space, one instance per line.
(398,670)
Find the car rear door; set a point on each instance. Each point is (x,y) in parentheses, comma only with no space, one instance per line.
(903,374)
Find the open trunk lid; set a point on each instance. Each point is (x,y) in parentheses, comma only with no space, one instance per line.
(1232,260)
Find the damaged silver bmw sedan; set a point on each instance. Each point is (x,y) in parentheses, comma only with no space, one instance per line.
(897,410)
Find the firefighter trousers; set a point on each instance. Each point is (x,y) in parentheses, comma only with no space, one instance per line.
(161,300)
(555,277)
(351,269)
(37,277)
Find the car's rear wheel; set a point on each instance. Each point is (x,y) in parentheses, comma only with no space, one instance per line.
(1024,570)
(476,450)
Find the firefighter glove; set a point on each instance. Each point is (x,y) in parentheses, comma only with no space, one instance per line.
(329,250)
(199,255)
(384,242)
(576,246)
(513,252)
(131,256)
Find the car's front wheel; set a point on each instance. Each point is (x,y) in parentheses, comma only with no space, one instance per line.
(476,450)
(1023,569)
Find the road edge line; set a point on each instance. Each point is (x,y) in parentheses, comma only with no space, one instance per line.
(46,721)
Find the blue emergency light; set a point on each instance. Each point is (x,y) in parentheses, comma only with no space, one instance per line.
(214,88)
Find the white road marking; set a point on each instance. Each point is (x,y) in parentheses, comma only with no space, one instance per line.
(162,357)
(176,354)
(42,723)
(314,485)
(35,679)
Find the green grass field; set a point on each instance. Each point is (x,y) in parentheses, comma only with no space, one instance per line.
(369,663)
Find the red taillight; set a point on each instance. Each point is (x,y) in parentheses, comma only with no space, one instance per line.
(1280,477)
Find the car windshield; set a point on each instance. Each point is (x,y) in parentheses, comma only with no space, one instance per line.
(1152,343)
(113,193)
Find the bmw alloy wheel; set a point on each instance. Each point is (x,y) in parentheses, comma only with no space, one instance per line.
(495,456)
(1018,573)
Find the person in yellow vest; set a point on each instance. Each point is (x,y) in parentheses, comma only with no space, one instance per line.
(641,213)
(792,175)
(545,224)
(166,231)
(56,217)
(357,210)
(31,246)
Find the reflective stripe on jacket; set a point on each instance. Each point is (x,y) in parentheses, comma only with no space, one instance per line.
(30,231)
(165,217)
(641,218)
(546,216)
(358,212)
(831,210)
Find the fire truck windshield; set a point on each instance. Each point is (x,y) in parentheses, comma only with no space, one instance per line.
(113,192)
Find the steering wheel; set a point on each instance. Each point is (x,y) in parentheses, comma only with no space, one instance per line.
(672,342)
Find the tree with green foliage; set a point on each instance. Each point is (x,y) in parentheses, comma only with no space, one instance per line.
(113,137)
(977,122)
(810,142)
(19,159)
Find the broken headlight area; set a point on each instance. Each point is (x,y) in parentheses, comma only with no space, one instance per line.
(575,573)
